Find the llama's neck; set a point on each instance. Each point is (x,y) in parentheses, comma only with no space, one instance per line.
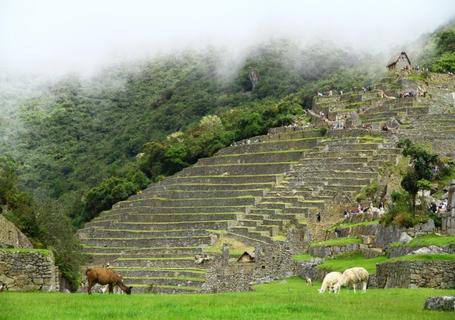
(122,286)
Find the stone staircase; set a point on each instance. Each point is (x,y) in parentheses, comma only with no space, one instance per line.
(153,237)
(336,166)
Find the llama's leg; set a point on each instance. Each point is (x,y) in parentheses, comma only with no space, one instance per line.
(353,286)
(364,286)
(89,287)
(111,288)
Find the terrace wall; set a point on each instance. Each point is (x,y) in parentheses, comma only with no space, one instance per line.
(416,274)
(28,270)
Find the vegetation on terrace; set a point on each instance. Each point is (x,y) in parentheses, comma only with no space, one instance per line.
(428,240)
(336,242)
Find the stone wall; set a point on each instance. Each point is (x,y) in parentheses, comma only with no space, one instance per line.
(10,236)
(416,274)
(329,251)
(271,262)
(31,270)
(393,252)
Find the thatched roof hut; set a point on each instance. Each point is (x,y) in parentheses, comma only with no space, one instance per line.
(399,61)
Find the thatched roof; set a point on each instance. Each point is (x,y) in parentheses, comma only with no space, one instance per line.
(395,58)
(247,255)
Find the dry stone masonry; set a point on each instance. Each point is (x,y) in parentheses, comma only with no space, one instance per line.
(416,274)
(28,270)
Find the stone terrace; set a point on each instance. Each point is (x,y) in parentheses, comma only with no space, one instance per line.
(153,237)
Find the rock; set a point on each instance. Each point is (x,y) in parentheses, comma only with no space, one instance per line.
(430,249)
(428,226)
(405,238)
(443,303)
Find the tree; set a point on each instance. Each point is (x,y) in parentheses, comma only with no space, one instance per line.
(421,169)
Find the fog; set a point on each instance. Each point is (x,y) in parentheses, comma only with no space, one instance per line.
(56,37)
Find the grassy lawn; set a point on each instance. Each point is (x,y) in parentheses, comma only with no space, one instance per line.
(286,299)
(427,257)
(336,242)
(350,260)
(428,240)
(345,225)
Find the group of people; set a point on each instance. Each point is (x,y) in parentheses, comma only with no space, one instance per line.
(440,207)
(371,210)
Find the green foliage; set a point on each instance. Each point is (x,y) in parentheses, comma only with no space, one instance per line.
(419,175)
(368,192)
(445,41)
(213,133)
(428,240)
(399,211)
(112,190)
(426,257)
(44,221)
(336,242)
(79,132)
(446,63)
(284,299)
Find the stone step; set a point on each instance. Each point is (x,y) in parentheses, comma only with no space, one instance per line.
(335,166)
(124,233)
(272,205)
(172,203)
(280,223)
(149,242)
(226,179)
(251,232)
(166,281)
(261,157)
(249,240)
(327,174)
(221,187)
(238,169)
(124,212)
(337,160)
(152,262)
(296,144)
(162,272)
(333,181)
(263,211)
(147,251)
(195,193)
(271,229)
(183,217)
(280,199)
(162,289)
(354,147)
(210,225)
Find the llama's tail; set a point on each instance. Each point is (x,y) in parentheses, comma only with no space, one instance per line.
(87,271)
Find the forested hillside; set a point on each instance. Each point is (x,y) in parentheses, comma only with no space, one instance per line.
(79,131)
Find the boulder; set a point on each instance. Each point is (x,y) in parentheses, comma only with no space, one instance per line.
(430,249)
(405,238)
(443,303)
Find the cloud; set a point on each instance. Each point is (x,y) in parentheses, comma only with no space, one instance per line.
(53,36)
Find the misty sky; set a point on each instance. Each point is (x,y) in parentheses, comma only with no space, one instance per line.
(71,35)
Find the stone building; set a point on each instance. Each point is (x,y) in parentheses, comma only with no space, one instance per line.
(399,62)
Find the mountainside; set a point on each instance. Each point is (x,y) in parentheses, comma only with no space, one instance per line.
(260,190)
(81,131)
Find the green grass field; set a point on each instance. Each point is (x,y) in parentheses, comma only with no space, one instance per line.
(286,299)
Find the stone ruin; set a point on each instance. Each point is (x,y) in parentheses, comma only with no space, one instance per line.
(448,220)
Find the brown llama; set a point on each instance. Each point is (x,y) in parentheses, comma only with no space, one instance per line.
(105,276)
